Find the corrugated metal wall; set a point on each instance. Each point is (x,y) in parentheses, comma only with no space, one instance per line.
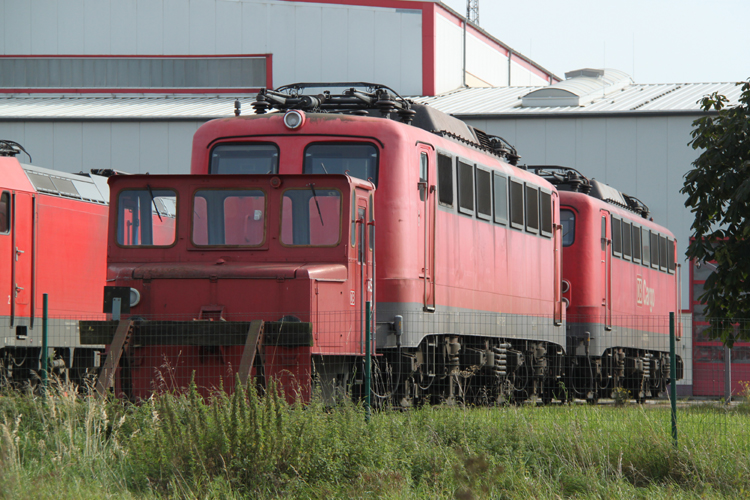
(157,147)
(483,62)
(310,42)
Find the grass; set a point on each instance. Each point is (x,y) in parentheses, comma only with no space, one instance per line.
(252,446)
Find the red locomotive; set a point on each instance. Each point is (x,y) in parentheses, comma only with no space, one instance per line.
(336,201)
(621,281)
(53,228)
(293,221)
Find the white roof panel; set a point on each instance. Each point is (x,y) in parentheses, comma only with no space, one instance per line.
(633,98)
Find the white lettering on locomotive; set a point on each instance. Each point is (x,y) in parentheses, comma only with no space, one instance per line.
(643,294)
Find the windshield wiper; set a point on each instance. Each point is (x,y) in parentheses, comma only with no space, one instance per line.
(153,200)
(315,197)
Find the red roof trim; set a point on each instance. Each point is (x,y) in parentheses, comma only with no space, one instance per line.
(129,56)
(196,91)
(428,50)
(386,4)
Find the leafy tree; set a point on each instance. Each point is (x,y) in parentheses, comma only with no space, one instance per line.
(718,191)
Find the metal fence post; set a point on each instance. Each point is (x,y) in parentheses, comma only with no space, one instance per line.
(727,374)
(673,377)
(367,364)
(45,361)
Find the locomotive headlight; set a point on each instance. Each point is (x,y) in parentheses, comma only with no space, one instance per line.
(294,119)
(135,297)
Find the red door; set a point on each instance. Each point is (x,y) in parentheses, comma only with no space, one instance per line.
(22,230)
(6,254)
(557,256)
(426,228)
(363,277)
(606,270)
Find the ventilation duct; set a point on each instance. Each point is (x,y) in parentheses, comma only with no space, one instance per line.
(579,88)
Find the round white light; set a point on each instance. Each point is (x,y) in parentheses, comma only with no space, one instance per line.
(294,119)
(135,297)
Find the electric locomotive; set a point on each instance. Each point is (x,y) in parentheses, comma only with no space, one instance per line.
(317,205)
(620,282)
(53,228)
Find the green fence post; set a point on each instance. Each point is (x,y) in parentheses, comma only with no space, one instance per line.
(45,361)
(673,377)
(367,363)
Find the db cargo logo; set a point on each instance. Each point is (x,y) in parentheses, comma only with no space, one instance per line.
(644,294)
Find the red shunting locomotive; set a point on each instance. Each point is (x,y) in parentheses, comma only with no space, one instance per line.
(53,229)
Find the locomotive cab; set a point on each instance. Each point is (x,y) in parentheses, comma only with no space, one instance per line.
(209,255)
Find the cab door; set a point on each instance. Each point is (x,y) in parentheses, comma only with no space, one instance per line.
(426,227)
(22,255)
(364,276)
(606,269)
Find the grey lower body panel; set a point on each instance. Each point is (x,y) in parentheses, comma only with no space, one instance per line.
(417,324)
(600,339)
(61,333)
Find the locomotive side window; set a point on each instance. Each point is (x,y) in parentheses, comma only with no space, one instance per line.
(357,160)
(616,237)
(484,193)
(636,244)
(670,256)
(445,179)
(145,217)
(532,209)
(311,217)
(465,188)
(662,253)
(568,221)
(654,250)
(516,205)
(229,217)
(626,244)
(500,186)
(646,257)
(545,213)
(5,213)
(258,158)
(423,169)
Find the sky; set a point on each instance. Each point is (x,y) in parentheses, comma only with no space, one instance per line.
(656,41)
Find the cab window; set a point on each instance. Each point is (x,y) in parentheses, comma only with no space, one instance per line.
(257,158)
(568,221)
(5,212)
(311,217)
(357,160)
(146,217)
(229,217)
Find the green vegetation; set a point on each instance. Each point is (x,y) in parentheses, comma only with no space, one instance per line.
(249,446)
(718,193)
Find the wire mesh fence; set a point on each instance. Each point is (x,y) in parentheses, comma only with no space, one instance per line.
(454,358)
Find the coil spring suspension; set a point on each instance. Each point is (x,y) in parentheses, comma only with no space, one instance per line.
(452,348)
(500,357)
